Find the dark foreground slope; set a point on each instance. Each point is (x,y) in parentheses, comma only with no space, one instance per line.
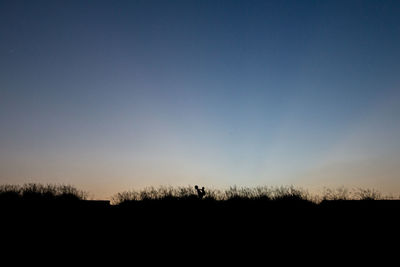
(40,222)
(170,230)
(194,214)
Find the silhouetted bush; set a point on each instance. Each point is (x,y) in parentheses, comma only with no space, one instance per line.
(342,193)
(339,193)
(152,193)
(40,193)
(285,194)
(367,194)
(234,193)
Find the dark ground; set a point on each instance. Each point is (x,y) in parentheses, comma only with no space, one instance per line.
(200,229)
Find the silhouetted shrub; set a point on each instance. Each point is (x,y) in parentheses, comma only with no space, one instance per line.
(339,193)
(367,194)
(152,193)
(10,193)
(37,192)
(342,193)
(234,193)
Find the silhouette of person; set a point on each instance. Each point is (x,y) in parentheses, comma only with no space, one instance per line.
(200,192)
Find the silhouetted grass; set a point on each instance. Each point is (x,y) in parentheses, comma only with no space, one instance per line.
(285,194)
(167,215)
(180,209)
(33,192)
(246,196)
(232,194)
(342,193)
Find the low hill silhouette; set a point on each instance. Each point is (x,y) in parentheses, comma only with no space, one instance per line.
(191,202)
(171,219)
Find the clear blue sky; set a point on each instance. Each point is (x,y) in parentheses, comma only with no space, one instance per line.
(114,95)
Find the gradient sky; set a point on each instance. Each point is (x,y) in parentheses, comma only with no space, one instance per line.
(115,95)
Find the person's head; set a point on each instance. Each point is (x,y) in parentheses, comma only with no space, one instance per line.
(196,187)
(202,188)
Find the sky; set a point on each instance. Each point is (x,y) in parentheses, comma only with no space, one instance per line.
(116,95)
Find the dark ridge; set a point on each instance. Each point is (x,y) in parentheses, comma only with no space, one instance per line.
(262,204)
(162,220)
